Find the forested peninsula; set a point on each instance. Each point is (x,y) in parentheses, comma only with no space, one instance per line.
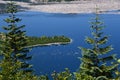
(46,41)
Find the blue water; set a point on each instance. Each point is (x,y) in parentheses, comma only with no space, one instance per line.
(76,26)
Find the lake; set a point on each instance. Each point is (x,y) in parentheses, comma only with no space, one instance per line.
(75,26)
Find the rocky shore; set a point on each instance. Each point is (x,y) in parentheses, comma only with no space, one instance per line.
(72,7)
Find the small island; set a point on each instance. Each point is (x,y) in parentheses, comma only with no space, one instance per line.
(46,41)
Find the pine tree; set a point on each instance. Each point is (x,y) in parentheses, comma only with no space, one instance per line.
(96,62)
(65,75)
(14,53)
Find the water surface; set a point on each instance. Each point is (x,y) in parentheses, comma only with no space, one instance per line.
(76,26)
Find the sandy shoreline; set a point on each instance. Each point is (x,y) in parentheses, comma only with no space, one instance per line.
(50,44)
(75,7)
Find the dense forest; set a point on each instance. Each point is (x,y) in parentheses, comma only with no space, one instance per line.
(43,40)
(94,65)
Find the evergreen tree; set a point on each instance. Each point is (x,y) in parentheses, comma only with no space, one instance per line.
(65,75)
(96,62)
(14,55)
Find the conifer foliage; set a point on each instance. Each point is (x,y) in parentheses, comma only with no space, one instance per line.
(96,62)
(14,54)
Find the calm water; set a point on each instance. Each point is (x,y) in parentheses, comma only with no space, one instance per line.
(75,26)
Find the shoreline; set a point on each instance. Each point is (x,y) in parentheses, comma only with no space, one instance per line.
(100,12)
(50,44)
(75,7)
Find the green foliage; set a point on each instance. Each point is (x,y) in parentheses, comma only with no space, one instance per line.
(42,77)
(79,76)
(65,75)
(46,40)
(14,55)
(94,65)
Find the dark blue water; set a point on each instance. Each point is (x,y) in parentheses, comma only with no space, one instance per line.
(76,26)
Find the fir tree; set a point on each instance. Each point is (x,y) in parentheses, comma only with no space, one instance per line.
(14,54)
(65,75)
(96,62)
